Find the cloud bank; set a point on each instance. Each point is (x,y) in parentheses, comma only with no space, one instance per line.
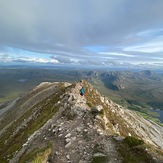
(93,32)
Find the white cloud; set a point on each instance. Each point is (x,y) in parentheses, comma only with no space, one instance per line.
(5,58)
(39,60)
(147,48)
(36,60)
(152,46)
(157,58)
(116,54)
(9,58)
(150,32)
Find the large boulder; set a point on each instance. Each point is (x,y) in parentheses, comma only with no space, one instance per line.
(97,109)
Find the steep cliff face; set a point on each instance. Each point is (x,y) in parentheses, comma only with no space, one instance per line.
(54,123)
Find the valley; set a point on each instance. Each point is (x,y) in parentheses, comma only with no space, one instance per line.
(141,91)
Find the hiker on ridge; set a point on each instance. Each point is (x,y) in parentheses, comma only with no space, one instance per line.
(82,91)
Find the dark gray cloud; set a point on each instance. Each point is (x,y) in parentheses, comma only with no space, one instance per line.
(64,28)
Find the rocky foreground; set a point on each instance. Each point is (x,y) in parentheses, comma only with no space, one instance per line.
(53,123)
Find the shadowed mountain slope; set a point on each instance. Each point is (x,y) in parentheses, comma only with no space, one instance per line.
(53,123)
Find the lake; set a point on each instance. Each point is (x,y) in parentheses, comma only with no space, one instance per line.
(160,112)
(161,115)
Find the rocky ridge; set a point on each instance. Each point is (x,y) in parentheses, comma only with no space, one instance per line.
(80,129)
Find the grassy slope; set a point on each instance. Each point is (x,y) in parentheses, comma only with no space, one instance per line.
(131,149)
(42,111)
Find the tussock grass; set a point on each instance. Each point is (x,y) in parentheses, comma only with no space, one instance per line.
(133,150)
(42,157)
(36,154)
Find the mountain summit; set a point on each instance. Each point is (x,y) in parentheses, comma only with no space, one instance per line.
(53,123)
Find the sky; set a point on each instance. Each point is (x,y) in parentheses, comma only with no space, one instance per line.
(127,33)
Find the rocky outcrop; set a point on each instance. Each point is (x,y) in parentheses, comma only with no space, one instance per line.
(97,109)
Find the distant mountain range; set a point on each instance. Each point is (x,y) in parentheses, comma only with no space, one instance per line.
(139,91)
(136,90)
